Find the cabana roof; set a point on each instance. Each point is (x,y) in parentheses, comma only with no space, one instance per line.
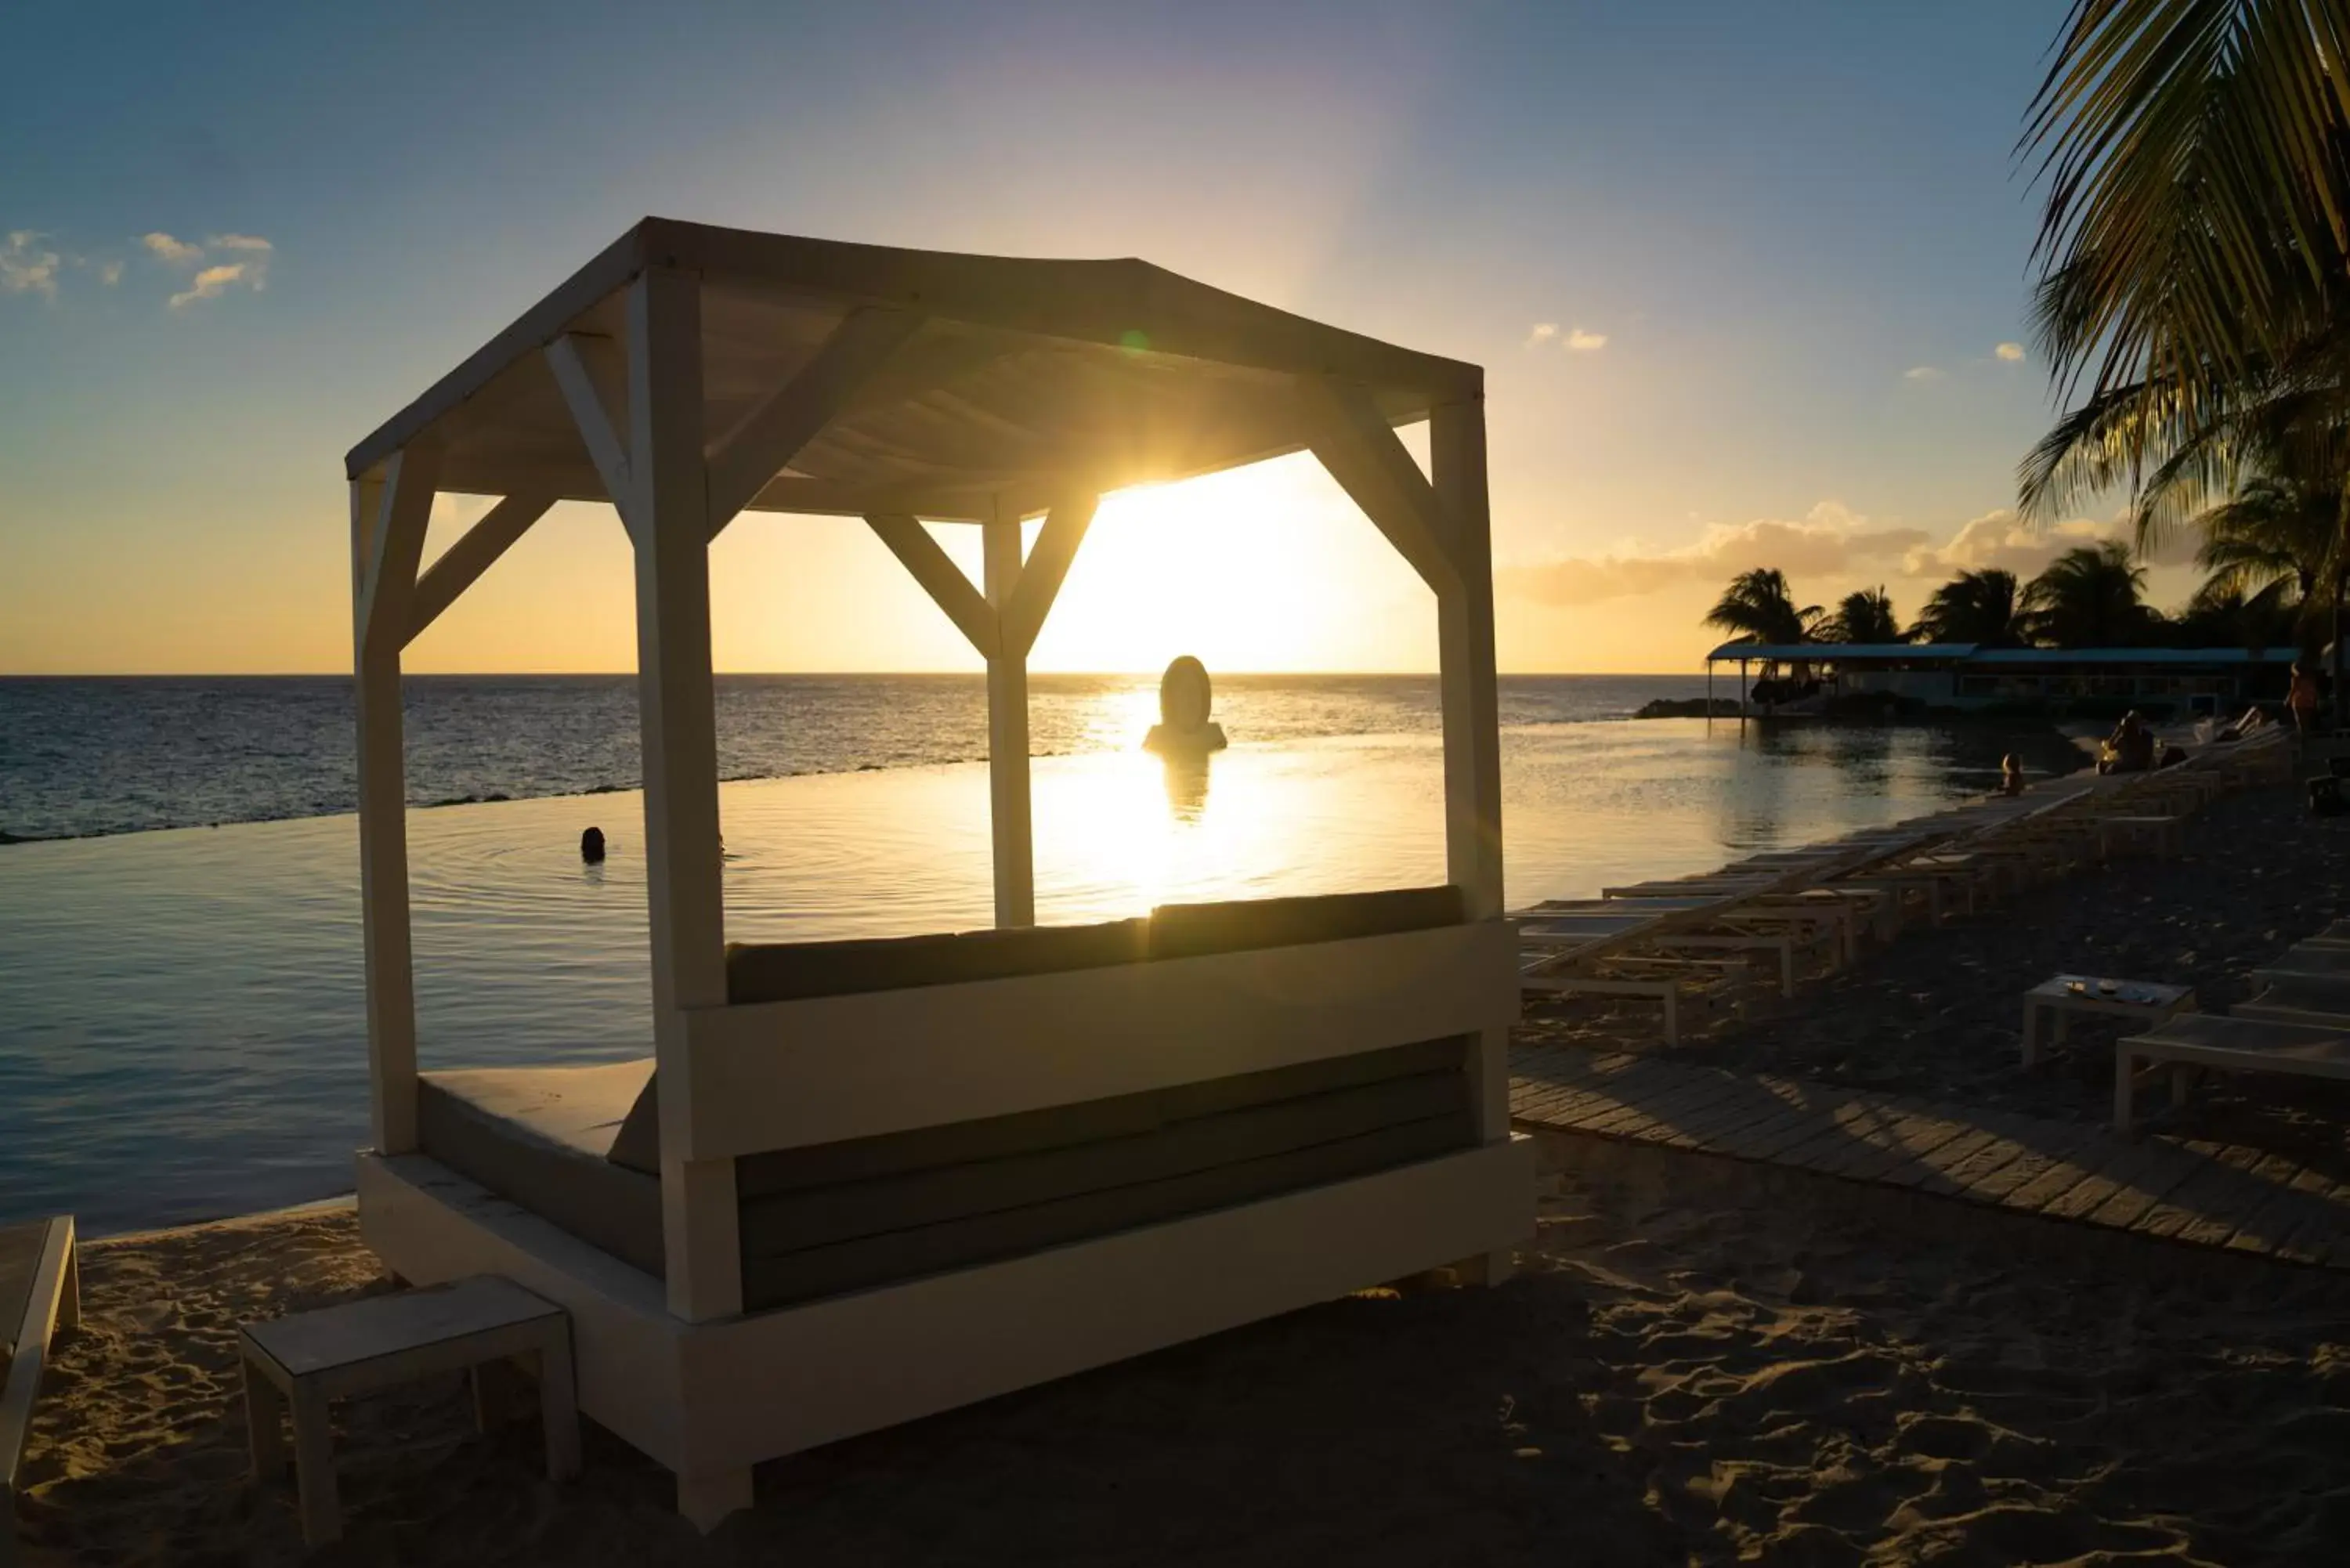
(1003,376)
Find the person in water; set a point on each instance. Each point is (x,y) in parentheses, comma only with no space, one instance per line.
(2011,774)
(2302,697)
(591,847)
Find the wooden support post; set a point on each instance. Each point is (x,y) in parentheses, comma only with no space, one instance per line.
(666,506)
(387,520)
(1473,754)
(1472,743)
(1007,735)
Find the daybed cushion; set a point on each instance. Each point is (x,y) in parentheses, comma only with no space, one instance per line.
(1194,930)
(539,1137)
(839,1216)
(787,972)
(790,971)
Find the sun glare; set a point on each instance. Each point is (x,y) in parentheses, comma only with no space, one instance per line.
(1267,567)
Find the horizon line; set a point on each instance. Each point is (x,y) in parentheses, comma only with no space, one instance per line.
(614,674)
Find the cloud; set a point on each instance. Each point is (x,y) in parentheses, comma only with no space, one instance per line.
(109,273)
(1828,540)
(1921,373)
(176,252)
(1581,342)
(28,265)
(1831,541)
(2010,352)
(1543,332)
(249,270)
(216,281)
(2001,539)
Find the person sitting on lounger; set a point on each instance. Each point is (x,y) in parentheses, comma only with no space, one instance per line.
(2245,724)
(2129,749)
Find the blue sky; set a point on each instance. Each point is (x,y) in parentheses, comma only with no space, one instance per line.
(1790,239)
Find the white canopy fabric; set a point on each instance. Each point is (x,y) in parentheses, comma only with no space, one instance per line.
(994,376)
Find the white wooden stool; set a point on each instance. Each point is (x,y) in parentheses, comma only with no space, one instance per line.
(311,1358)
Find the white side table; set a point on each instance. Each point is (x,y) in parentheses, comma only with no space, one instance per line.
(2066,994)
(314,1357)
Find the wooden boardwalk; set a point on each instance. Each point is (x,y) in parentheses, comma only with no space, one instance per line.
(2200,1194)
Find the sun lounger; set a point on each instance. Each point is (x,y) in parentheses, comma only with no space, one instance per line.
(2336,934)
(2317,960)
(40,1291)
(2227,1044)
(2299,998)
(1556,958)
(1568,934)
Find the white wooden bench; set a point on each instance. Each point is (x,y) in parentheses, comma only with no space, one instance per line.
(2229,1044)
(40,1291)
(311,1358)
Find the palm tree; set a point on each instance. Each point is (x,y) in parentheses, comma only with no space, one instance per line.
(1864,615)
(2221,614)
(1974,606)
(2197,220)
(2194,252)
(2090,597)
(1759,605)
(2277,545)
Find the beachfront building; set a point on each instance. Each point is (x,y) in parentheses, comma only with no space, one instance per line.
(854,1183)
(1963,677)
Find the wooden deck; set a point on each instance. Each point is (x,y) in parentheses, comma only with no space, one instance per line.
(2200,1194)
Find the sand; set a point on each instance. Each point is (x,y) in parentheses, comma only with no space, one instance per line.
(1673,1378)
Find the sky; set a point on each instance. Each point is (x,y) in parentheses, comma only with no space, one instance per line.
(1749,284)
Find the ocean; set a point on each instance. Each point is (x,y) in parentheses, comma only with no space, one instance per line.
(181,1006)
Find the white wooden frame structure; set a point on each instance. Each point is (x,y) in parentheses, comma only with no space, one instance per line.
(688,374)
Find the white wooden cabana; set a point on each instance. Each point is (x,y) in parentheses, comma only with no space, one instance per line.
(879,1179)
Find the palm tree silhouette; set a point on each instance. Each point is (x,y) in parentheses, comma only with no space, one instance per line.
(1759,605)
(1983,607)
(1865,615)
(2276,544)
(2091,596)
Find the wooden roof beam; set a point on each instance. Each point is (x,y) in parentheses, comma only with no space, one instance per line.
(593,378)
(462,563)
(940,578)
(1362,452)
(765,440)
(1042,573)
